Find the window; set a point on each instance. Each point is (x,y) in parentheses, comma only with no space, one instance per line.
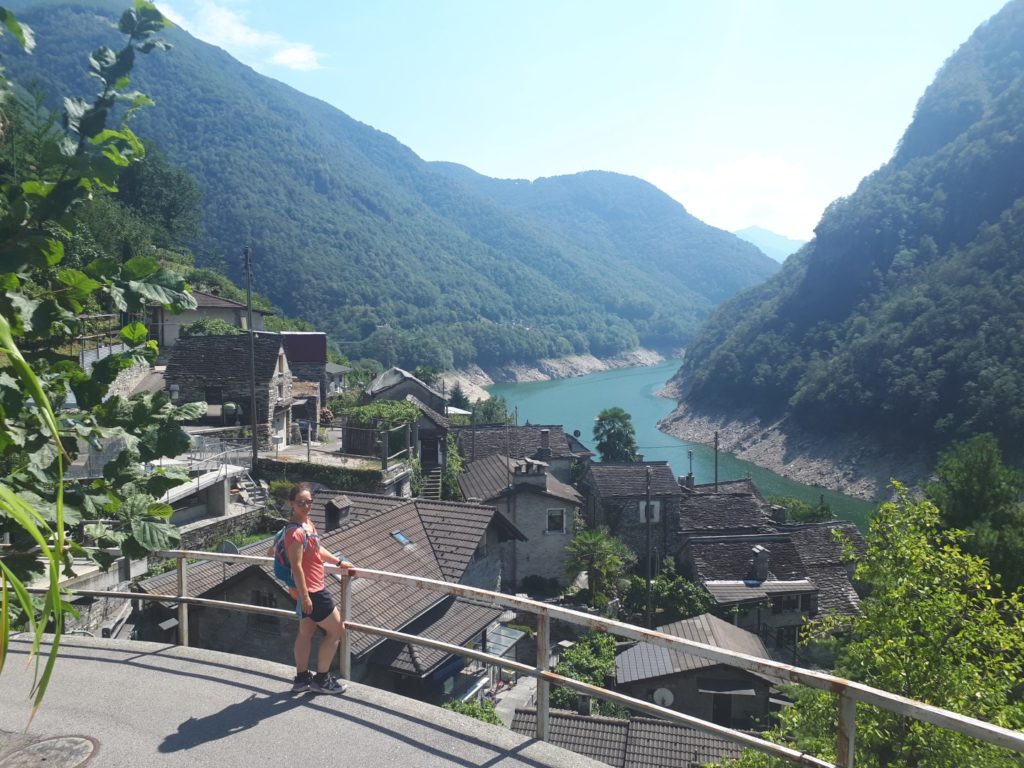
(401,538)
(655,510)
(214,395)
(556,521)
(264,599)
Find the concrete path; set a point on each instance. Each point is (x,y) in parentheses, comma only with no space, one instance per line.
(131,704)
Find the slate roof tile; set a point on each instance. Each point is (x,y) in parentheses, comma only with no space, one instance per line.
(630,480)
(478,442)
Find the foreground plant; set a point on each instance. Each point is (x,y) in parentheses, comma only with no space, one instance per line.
(41,304)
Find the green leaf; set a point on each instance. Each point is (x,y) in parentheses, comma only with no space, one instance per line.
(153,534)
(139,268)
(161,510)
(80,284)
(134,334)
(22,32)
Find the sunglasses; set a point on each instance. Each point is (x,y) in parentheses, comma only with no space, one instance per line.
(303,502)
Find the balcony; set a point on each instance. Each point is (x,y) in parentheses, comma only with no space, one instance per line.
(166,700)
(139,704)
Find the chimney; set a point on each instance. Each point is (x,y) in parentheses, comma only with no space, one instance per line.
(544,452)
(777,513)
(759,569)
(584,705)
(336,511)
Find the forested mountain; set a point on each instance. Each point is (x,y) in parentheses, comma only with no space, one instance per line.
(904,318)
(778,247)
(354,232)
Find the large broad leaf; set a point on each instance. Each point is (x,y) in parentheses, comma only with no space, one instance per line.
(134,334)
(152,534)
(79,284)
(139,268)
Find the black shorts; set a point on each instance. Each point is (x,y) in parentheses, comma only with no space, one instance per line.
(323,605)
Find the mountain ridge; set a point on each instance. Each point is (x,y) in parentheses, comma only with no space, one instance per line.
(351,230)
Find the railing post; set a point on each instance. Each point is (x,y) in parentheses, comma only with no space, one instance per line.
(182,606)
(543,646)
(845,746)
(345,646)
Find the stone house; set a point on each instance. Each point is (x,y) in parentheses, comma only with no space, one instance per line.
(429,436)
(540,505)
(307,356)
(445,541)
(772,583)
(548,443)
(694,685)
(165,326)
(216,369)
(616,495)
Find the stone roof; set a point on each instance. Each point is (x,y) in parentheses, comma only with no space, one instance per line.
(428,412)
(723,513)
(456,622)
(639,742)
(801,558)
(630,479)
(305,346)
(743,485)
(206,300)
(226,357)
(394,376)
(478,442)
(488,478)
(718,558)
(646,660)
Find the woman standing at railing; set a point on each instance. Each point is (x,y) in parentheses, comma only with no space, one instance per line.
(307,557)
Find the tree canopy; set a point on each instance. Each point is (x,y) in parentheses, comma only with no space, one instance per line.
(615,436)
(932,629)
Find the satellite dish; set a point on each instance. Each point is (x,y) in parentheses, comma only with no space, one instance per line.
(576,433)
(228,548)
(663,697)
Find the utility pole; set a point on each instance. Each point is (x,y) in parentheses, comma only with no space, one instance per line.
(247,256)
(716,461)
(647,517)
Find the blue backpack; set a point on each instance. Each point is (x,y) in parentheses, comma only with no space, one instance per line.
(282,568)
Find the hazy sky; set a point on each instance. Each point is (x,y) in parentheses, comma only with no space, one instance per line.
(749,112)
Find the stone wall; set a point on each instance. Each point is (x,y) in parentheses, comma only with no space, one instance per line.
(204,534)
(128,379)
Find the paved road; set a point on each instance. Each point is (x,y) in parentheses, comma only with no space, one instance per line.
(145,704)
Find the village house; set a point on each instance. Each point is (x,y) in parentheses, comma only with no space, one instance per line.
(445,541)
(216,369)
(772,583)
(639,742)
(307,357)
(548,443)
(540,505)
(165,326)
(616,497)
(695,685)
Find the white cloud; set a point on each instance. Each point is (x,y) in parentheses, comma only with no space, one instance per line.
(298,56)
(750,190)
(226,27)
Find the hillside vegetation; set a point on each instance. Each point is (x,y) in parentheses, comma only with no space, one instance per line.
(903,319)
(352,231)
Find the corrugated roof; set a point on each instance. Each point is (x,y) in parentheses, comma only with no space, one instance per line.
(727,592)
(640,742)
(630,480)
(645,660)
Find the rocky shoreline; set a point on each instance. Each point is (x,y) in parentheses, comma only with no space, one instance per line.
(473,379)
(847,464)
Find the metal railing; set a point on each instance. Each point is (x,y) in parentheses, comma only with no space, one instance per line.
(848,692)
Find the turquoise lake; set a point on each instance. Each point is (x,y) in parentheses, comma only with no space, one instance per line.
(574,403)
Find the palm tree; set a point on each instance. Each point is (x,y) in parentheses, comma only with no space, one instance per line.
(598,553)
(615,436)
